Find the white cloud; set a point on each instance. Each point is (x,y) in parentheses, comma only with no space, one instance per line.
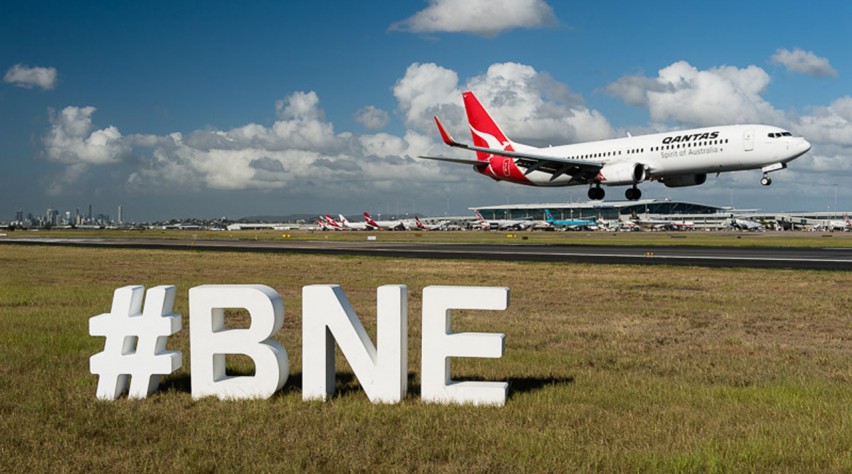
(372,118)
(831,125)
(528,105)
(804,62)
(684,94)
(299,148)
(72,140)
(28,77)
(480,17)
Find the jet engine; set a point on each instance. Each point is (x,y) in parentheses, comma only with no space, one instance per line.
(682,180)
(623,173)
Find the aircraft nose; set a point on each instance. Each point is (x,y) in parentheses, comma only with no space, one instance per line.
(806,146)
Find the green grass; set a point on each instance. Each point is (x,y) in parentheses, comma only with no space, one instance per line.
(703,238)
(611,368)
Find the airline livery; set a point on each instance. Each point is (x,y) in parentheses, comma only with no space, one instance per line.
(676,159)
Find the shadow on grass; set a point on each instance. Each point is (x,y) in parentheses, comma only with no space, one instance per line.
(347,384)
(521,385)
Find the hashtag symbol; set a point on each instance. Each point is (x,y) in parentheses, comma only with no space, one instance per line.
(135,345)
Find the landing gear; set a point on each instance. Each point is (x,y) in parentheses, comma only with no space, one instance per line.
(632,194)
(596,193)
(765,180)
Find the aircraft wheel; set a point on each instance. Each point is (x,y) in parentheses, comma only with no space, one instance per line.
(597,193)
(633,194)
(766,181)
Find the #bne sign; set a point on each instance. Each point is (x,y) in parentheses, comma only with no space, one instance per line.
(135,356)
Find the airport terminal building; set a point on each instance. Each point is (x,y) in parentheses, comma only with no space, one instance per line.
(602,210)
(704,216)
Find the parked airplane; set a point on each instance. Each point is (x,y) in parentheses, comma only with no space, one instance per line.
(333,224)
(745,224)
(439,226)
(387,225)
(322,224)
(503,224)
(570,223)
(835,225)
(355,225)
(676,159)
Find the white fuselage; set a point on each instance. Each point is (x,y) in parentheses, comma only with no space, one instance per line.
(674,154)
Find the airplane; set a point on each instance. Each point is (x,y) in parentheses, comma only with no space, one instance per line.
(321,223)
(646,223)
(388,225)
(422,226)
(502,224)
(676,159)
(333,224)
(355,225)
(834,225)
(745,224)
(570,223)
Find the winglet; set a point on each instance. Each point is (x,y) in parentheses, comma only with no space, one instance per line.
(444,135)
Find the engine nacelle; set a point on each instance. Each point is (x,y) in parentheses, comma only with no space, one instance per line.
(680,181)
(622,173)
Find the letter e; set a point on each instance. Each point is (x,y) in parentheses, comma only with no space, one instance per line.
(439,344)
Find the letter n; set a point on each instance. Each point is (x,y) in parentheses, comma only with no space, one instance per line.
(210,341)
(327,317)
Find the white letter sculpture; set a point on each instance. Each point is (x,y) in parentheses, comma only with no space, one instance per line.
(327,316)
(135,343)
(210,341)
(439,344)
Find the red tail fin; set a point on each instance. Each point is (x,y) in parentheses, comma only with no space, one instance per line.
(485,131)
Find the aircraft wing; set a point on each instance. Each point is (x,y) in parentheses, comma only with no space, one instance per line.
(555,165)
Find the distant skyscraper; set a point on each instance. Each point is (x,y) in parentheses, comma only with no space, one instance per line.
(90,213)
(120,216)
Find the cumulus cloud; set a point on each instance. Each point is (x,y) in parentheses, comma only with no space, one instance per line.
(685,94)
(372,118)
(298,148)
(72,139)
(22,75)
(804,62)
(480,17)
(529,105)
(830,125)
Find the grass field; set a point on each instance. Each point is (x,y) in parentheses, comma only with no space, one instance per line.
(700,238)
(611,368)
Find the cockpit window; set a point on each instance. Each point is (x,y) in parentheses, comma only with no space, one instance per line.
(780,134)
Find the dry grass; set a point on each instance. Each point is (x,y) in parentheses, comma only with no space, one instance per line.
(612,368)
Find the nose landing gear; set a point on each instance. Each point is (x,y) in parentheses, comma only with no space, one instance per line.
(765,180)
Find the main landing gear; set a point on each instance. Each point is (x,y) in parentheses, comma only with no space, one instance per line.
(633,194)
(765,180)
(596,193)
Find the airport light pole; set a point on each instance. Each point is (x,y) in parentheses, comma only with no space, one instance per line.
(835,197)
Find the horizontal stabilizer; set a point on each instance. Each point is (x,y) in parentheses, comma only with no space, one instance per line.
(463,161)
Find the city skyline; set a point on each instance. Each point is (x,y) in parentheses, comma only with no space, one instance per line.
(216,109)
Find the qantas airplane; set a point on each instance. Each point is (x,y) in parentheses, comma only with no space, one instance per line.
(387,225)
(676,159)
(439,226)
(355,225)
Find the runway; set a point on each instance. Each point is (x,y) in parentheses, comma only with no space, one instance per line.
(751,257)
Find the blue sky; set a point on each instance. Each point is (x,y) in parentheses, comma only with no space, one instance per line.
(178,109)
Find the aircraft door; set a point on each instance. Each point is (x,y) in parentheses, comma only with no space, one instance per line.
(748,140)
